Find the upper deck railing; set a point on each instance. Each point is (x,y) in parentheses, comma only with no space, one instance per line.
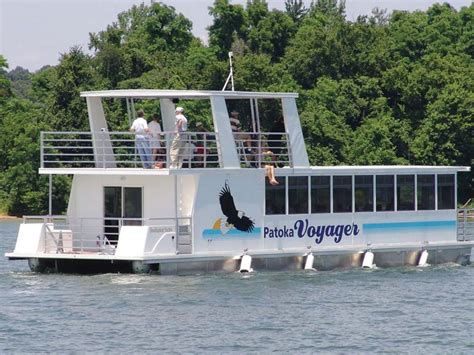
(466,224)
(255,150)
(101,235)
(120,150)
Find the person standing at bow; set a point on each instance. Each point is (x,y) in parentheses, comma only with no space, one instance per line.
(179,141)
(140,128)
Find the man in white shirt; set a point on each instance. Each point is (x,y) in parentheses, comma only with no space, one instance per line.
(140,128)
(155,135)
(179,140)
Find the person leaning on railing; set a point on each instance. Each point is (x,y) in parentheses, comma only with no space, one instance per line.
(179,141)
(140,128)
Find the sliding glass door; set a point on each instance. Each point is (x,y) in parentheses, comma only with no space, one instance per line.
(121,204)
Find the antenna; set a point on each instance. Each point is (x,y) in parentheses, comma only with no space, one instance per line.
(231,74)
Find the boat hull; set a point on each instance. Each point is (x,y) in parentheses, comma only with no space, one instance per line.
(289,261)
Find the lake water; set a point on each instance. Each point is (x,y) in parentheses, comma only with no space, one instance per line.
(429,310)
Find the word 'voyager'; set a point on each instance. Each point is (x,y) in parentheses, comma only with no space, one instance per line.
(302,228)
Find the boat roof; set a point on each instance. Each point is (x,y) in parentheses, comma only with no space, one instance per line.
(186,94)
(286,171)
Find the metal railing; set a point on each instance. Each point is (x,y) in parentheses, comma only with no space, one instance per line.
(255,150)
(466,224)
(65,235)
(120,150)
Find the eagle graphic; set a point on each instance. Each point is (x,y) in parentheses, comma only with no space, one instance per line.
(234,217)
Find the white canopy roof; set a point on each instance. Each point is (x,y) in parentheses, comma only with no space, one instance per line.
(185,94)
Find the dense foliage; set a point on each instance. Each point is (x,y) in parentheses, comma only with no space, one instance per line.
(385,89)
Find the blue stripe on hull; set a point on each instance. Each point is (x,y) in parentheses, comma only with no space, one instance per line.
(410,225)
(233,233)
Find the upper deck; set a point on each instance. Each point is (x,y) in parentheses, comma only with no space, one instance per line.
(220,147)
(103,151)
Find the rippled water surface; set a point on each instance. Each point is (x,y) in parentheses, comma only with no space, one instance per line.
(393,310)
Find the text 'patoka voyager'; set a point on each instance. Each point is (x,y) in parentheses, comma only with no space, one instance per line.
(302,228)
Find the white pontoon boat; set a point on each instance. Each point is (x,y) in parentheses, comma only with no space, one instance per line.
(218,212)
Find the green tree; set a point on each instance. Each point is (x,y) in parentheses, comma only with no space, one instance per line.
(21,81)
(317,49)
(5,84)
(229,23)
(296,10)
(132,46)
(74,74)
(272,34)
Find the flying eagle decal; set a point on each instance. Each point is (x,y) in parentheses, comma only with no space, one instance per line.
(236,218)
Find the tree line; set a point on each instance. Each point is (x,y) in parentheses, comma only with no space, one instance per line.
(384,89)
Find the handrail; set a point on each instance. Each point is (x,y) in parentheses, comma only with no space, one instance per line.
(127,150)
(465,219)
(96,235)
(257,149)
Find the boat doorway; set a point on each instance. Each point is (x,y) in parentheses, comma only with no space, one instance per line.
(123,206)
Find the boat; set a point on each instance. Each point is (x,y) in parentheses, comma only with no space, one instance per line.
(218,212)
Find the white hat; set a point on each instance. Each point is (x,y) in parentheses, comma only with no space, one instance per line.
(179,109)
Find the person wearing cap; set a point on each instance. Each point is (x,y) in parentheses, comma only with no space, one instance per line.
(179,141)
(140,128)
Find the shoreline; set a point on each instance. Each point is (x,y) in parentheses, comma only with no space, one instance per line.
(5,217)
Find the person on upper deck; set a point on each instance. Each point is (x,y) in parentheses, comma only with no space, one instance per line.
(276,134)
(234,121)
(179,140)
(140,128)
(155,136)
(268,159)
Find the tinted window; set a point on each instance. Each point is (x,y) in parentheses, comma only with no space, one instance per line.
(364,193)
(342,193)
(426,192)
(445,191)
(297,194)
(385,193)
(275,198)
(406,192)
(320,194)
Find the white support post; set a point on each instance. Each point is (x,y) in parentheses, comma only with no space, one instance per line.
(293,128)
(50,209)
(100,135)
(226,142)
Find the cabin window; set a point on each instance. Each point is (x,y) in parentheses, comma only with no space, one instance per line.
(426,192)
(405,192)
(342,193)
(297,194)
(275,197)
(320,194)
(446,192)
(364,193)
(385,194)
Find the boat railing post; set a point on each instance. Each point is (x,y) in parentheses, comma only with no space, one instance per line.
(102,137)
(464,216)
(135,152)
(50,199)
(259,149)
(41,149)
(204,158)
(168,144)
